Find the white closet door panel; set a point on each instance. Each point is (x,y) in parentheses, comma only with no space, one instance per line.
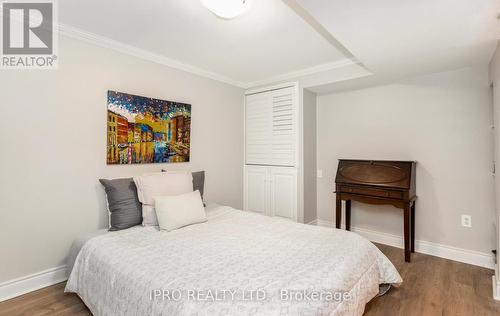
(284,127)
(284,192)
(258,128)
(256,189)
(271,128)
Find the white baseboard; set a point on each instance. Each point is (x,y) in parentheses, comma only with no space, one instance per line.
(496,283)
(32,282)
(496,288)
(426,247)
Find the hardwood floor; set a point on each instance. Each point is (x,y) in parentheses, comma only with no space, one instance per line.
(432,286)
(436,286)
(48,301)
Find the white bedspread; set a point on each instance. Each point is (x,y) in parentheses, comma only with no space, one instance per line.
(237,263)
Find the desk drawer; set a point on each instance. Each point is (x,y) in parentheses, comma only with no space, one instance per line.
(373,192)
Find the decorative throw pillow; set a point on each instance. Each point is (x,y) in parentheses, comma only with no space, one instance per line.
(123,204)
(177,211)
(198,180)
(160,184)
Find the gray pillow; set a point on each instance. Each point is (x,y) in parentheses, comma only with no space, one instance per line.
(198,181)
(123,203)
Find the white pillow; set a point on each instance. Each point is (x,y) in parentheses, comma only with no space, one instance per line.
(160,184)
(177,211)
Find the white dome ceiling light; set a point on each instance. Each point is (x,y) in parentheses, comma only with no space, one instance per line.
(227,9)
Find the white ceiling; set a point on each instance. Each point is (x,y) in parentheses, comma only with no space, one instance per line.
(280,39)
(400,38)
(268,40)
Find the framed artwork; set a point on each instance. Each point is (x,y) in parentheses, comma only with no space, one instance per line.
(145,130)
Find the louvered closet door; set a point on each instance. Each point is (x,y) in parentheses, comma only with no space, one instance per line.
(258,128)
(284,127)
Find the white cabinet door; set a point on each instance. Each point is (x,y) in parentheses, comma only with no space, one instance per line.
(283,183)
(256,195)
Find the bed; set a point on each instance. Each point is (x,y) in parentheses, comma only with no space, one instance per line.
(236,263)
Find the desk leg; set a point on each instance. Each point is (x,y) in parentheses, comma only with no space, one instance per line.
(348,214)
(338,212)
(413,226)
(407,220)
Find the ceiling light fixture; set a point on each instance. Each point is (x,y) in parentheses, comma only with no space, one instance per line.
(227,9)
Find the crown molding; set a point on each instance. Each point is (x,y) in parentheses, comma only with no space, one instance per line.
(105,42)
(98,40)
(304,72)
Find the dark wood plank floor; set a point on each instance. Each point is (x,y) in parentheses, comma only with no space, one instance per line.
(432,286)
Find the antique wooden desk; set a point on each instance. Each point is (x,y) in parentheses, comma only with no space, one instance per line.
(378,182)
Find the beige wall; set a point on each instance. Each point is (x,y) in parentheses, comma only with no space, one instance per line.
(309,151)
(443,122)
(53,138)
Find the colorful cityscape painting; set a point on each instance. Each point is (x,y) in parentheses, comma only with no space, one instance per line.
(146,130)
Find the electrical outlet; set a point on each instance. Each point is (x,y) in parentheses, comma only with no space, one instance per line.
(466,221)
(320,173)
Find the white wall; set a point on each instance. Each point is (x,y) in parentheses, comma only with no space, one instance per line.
(440,120)
(309,152)
(494,72)
(53,137)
